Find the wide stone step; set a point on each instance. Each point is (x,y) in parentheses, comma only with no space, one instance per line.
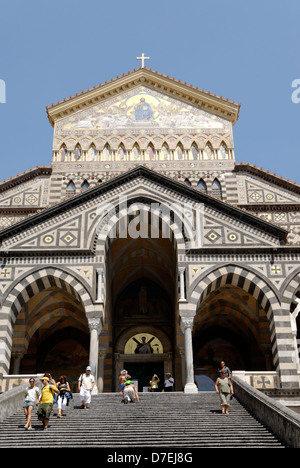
(157,420)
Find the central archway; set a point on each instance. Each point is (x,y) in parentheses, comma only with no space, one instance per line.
(141,275)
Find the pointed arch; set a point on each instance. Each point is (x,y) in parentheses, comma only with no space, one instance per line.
(223,152)
(179,152)
(208,151)
(92,152)
(121,153)
(194,152)
(202,186)
(106,153)
(63,153)
(84,186)
(71,189)
(216,189)
(135,153)
(150,153)
(77,152)
(165,151)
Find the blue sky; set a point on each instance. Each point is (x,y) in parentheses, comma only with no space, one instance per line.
(248,53)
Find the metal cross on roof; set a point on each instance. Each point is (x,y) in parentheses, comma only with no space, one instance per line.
(143,58)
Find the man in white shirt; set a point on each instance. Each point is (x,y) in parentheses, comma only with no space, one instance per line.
(86,384)
(169,382)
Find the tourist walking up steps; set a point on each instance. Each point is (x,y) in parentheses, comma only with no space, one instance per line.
(32,394)
(122,379)
(130,392)
(46,401)
(86,384)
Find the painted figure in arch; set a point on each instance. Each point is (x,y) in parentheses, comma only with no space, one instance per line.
(144,347)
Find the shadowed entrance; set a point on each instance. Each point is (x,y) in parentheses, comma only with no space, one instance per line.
(144,371)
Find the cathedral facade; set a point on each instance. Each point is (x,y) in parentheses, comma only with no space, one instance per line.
(146,246)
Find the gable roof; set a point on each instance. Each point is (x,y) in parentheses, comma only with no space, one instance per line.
(25,177)
(146,173)
(207,101)
(275,179)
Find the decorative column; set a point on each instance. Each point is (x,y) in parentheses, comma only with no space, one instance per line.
(99,284)
(182,358)
(186,326)
(95,326)
(100,380)
(181,284)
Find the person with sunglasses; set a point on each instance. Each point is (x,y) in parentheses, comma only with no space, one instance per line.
(32,394)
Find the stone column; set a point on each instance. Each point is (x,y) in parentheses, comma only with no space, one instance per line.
(284,348)
(182,284)
(18,356)
(99,284)
(186,326)
(183,366)
(95,326)
(100,380)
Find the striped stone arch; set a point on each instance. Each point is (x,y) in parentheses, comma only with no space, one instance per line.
(279,320)
(37,321)
(291,286)
(105,226)
(22,291)
(234,275)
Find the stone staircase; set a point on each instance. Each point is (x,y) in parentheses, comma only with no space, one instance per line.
(158,420)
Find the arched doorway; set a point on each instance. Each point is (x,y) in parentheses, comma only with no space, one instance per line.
(231,326)
(143,354)
(142,279)
(51,332)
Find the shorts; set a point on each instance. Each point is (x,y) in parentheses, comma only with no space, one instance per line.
(44,410)
(28,403)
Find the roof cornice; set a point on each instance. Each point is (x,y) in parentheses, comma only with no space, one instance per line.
(207,101)
(268,176)
(25,177)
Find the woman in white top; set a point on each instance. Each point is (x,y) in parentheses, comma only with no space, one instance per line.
(32,394)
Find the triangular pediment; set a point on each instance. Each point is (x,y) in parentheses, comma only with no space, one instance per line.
(154,83)
(141,109)
(71,226)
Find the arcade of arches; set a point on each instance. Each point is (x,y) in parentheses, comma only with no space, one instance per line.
(142,330)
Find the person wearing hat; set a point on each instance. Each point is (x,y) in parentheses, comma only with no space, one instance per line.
(130,391)
(169,382)
(46,401)
(86,384)
(122,379)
